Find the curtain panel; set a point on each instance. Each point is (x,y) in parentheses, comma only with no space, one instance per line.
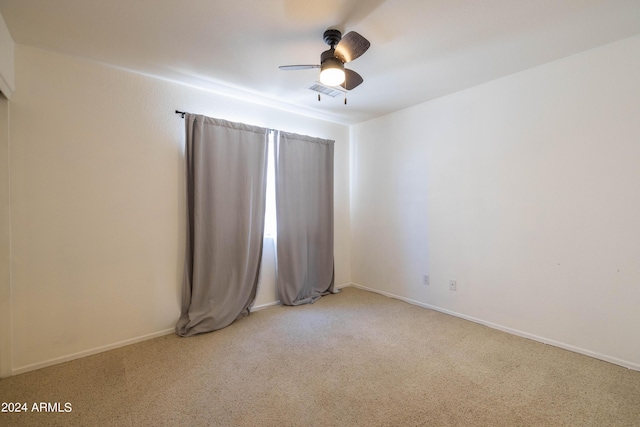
(304,212)
(226,165)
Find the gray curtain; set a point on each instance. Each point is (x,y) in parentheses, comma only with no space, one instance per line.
(226,166)
(304,211)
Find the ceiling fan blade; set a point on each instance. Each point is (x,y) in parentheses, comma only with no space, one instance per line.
(351,79)
(297,67)
(351,47)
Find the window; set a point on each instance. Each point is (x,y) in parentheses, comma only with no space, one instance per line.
(270,224)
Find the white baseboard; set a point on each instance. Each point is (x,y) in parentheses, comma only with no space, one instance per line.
(90,352)
(595,355)
(271,304)
(113,346)
(543,340)
(263,306)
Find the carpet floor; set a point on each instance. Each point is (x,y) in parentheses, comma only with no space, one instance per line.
(351,359)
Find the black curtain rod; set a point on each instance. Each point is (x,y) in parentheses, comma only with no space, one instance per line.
(182,113)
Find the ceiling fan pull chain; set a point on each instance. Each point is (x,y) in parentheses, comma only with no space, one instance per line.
(318,97)
(345,100)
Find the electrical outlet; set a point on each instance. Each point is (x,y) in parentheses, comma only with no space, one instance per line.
(425,280)
(452,285)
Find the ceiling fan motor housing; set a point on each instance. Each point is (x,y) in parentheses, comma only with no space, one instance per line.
(328,54)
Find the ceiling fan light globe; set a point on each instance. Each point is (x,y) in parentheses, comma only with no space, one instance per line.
(332,72)
(332,77)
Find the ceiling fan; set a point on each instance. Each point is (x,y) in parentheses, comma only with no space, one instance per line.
(342,50)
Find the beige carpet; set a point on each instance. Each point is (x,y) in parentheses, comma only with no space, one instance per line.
(352,359)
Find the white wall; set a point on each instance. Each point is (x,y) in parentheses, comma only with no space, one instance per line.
(526,190)
(7,79)
(7,86)
(5,244)
(98,202)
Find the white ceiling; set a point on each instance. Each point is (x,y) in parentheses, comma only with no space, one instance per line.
(420,49)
